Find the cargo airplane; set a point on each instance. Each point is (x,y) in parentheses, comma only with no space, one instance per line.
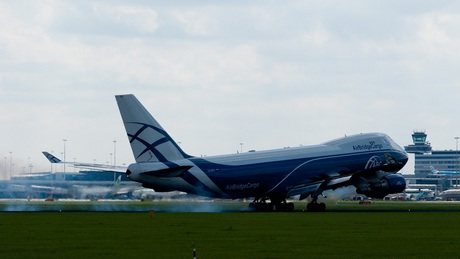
(369,162)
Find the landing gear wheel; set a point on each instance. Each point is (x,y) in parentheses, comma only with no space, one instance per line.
(284,206)
(260,206)
(276,202)
(322,207)
(290,206)
(316,207)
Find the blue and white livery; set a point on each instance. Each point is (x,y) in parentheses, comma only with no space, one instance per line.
(367,161)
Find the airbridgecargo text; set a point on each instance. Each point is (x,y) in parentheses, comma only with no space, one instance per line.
(372,145)
(242,186)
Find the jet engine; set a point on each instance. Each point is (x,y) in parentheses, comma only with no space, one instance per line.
(379,184)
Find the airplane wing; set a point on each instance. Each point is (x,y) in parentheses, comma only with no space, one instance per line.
(93,166)
(306,189)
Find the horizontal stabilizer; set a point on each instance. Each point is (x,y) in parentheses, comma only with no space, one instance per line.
(169,172)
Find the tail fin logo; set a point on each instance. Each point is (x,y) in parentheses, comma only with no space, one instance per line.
(152,144)
(149,141)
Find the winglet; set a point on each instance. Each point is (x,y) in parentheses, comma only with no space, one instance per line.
(51,158)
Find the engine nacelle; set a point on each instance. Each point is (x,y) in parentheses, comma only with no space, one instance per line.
(390,183)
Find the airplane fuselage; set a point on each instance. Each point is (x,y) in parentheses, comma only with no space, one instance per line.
(275,173)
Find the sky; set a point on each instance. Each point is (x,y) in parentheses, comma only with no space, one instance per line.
(267,74)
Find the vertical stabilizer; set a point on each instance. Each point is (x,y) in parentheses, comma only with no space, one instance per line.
(149,141)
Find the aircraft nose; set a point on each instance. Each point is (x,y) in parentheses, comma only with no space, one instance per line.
(403,158)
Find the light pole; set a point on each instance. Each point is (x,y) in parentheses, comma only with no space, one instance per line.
(114,152)
(241,149)
(64,140)
(11,163)
(456,160)
(114,158)
(5,168)
(456,145)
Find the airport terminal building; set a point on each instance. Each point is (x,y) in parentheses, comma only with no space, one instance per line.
(428,162)
(426,158)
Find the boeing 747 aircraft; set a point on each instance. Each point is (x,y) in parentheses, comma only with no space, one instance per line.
(369,162)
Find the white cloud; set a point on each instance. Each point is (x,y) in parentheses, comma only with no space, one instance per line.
(263,73)
(134,16)
(318,36)
(196,22)
(438,28)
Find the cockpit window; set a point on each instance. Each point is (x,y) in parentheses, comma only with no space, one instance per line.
(386,141)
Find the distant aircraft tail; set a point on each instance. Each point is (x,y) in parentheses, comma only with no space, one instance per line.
(149,141)
(117,181)
(51,158)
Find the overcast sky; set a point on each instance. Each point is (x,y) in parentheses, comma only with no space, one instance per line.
(268,74)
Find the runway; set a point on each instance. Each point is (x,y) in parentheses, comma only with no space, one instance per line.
(71,205)
(208,205)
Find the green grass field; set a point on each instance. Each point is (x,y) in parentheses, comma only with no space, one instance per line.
(382,229)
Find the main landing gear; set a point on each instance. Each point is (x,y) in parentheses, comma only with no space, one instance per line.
(316,207)
(261,204)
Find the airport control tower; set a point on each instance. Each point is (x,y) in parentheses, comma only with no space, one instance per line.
(421,150)
(427,159)
(420,146)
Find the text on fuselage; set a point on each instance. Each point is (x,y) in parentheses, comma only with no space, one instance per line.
(371,146)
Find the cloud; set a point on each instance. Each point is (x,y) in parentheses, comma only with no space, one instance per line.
(196,22)
(318,36)
(438,28)
(130,16)
(217,74)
